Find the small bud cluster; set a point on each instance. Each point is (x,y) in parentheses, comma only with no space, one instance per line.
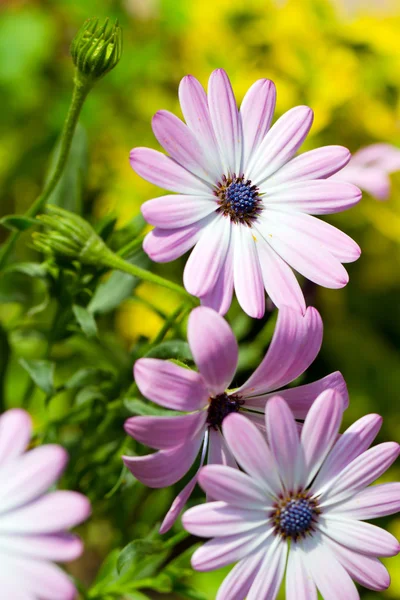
(67,234)
(96,49)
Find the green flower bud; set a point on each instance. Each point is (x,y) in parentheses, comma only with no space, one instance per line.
(96,50)
(66,234)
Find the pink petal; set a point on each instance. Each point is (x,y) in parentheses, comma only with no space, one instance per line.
(315,164)
(251,451)
(239,580)
(384,156)
(373,180)
(353,442)
(49,514)
(218,452)
(331,578)
(279,280)
(302,251)
(361,537)
(31,476)
(283,439)
(177,505)
(11,584)
(194,106)
(182,144)
(165,467)
(58,547)
(225,120)
(329,238)
(280,144)
(15,433)
(219,297)
(362,471)
(165,172)
(316,197)
(373,502)
(165,432)
(219,519)
(320,430)
(256,112)
(295,344)
(299,583)
(219,552)
(234,487)
(170,385)
(205,262)
(366,570)
(249,286)
(184,495)
(301,398)
(42,579)
(164,245)
(270,574)
(214,348)
(169,212)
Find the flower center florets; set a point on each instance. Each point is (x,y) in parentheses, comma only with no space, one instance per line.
(220,406)
(295,515)
(238,199)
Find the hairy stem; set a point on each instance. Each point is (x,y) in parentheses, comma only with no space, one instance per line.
(81,90)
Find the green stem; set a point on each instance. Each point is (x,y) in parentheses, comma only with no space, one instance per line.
(81,90)
(167,325)
(130,247)
(116,262)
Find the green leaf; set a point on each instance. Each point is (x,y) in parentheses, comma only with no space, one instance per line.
(135,552)
(30,269)
(116,288)
(87,395)
(42,373)
(107,572)
(172,349)
(85,320)
(68,191)
(17,222)
(188,592)
(87,376)
(135,406)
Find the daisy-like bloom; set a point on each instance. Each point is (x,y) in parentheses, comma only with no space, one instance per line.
(243,201)
(299,505)
(204,395)
(33,522)
(370,167)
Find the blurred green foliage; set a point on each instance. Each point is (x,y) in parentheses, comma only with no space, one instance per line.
(71,367)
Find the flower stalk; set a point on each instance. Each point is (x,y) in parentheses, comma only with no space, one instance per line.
(95,51)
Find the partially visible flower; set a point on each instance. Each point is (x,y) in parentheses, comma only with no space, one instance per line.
(370,167)
(244,202)
(33,522)
(204,395)
(299,506)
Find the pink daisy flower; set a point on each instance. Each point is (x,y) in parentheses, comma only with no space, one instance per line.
(300,505)
(370,167)
(205,397)
(243,201)
(32,522)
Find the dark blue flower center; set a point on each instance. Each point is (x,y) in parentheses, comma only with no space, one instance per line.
(238,199)
(242,197)
(294,517)
(220,406)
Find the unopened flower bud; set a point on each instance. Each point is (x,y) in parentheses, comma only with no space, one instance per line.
(96,49)
(67,234)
